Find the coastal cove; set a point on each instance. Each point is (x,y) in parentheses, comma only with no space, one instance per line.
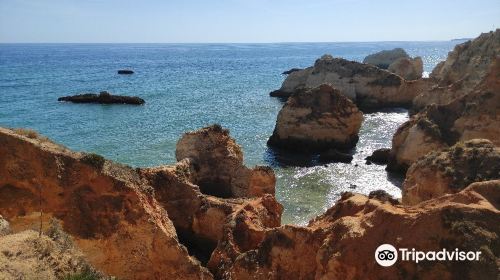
(186,87)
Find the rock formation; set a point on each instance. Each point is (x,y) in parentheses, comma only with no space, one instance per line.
(317,119)
(474,115)
(408,68)
(465,67)
(398,62)
(380,156)
(366,85)
(125,72)
(129,222)
(216,165)
(103,97)
(385,58)
(340,244)
(451,170)
(107,208)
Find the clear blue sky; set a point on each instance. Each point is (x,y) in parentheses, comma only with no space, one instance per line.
(167,21)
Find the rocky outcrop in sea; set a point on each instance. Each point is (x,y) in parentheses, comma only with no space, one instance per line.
(398,62)
(368,86)
(103,97)
(317,120)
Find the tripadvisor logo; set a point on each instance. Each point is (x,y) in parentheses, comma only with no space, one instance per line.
(387,255)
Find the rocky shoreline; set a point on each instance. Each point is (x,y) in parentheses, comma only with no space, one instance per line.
(208,216)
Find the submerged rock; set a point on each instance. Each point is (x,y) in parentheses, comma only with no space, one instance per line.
(366,85)
(451,170)
(317,120)
(103,97)
(385,58)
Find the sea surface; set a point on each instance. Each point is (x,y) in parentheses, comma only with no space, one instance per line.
(186,87)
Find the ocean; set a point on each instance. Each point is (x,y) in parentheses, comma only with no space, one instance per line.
(186,87)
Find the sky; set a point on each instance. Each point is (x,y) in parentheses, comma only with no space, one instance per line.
(243,21)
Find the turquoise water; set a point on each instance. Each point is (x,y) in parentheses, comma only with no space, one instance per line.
(187,86)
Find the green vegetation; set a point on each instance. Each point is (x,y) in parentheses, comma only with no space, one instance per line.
(84,275)
(94,160)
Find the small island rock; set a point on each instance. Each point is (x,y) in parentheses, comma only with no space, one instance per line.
(103,97)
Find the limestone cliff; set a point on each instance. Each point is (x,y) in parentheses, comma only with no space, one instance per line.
(464,68)
(144,223)
(340,244)
(451,170)
(474,115)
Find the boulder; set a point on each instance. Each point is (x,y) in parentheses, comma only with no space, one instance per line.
(367,85)
(317,120)
(103,97)
(340,244)
(451,170)
(474,115)
(464,68)
(385,58)
(380,156)
(216,165)
(408,68)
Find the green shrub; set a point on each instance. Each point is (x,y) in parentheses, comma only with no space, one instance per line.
(94,160)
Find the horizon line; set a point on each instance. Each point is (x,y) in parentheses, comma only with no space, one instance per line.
(284,42)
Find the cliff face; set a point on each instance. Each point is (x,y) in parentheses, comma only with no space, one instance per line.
(366,85)
(317,119)
(130,223)
(451,170)
(108,209)
(464,68)
(474,115)
(340,244)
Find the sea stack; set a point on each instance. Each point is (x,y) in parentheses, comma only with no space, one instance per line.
(317,119)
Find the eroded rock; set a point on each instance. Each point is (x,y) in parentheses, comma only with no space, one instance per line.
(385,58)
(408,68)
(317,119)
(451,170)
(366,85)
(216,165)
(474,115)
(109,211)
(340,244)
(464,68)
